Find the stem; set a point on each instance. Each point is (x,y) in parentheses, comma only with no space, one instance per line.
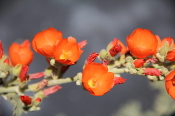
(10,89)
(16,89)
(117,70)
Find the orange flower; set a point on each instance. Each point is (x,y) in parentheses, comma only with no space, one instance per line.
(142,43)
(97,82)
(20,54)
(67,51)
(170,84)
(171,55)
(43,42)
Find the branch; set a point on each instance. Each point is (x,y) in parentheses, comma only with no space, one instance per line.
(31,87)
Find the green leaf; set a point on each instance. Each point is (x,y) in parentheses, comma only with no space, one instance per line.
(17,103)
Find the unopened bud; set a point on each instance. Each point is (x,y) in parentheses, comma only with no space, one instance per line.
(26,99)
(152,72)
(138,63)
(104,55)
(23,73)
(42,84)
(51,90)
(36,75)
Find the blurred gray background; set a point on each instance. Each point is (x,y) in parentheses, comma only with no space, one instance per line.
(98,22)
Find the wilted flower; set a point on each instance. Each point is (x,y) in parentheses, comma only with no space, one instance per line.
(20,54)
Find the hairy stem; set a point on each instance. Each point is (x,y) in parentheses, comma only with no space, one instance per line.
(30,87)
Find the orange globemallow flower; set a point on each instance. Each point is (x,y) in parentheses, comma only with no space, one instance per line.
(142,43)
(97,82)
(67,51)
(43,42)
(171,55)
(20,53)
(170,84)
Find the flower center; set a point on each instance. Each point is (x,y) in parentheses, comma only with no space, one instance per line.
(64,55)
(92,83)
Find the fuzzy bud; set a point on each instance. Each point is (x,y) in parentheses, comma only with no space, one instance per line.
(138,63)
(51,90)
(152,72)
(26,99)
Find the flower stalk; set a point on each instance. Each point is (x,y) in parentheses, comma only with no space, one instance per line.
(145,55)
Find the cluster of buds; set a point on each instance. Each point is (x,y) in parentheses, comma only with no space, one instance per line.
(145,54)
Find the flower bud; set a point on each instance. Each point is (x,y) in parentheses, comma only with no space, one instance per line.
(138,63)
(23,73)
(26,100)
(36,75)
(42,84)
(152,72)
(104,55)
(51,90)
